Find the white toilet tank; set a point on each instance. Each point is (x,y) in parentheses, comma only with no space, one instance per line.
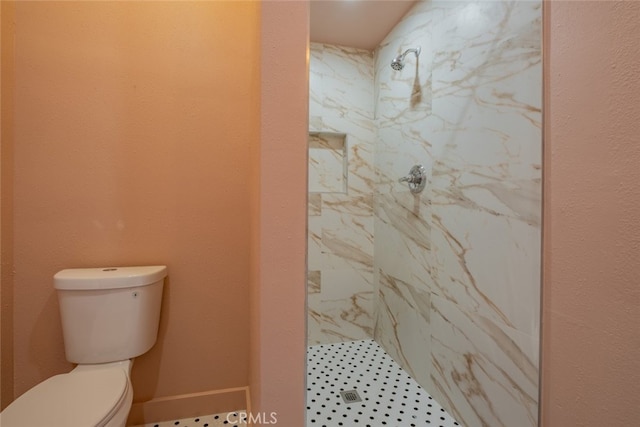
(109,314)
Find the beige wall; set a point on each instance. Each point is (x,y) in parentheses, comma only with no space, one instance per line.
(591,303)
(278,349)
(133,126)
(6,205)
(590,307)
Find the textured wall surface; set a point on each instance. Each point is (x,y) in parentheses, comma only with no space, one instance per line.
(591,318)
(6,204)
(129,135)
(278,311)
(458,266)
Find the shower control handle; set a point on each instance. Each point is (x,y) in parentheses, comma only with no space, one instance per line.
(417,179)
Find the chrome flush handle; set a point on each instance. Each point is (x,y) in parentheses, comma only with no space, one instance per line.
(417,179)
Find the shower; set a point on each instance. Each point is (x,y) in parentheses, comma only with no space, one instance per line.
(420,288)
(398,62)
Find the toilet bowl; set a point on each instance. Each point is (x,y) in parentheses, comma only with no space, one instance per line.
(109,316)
(88,396)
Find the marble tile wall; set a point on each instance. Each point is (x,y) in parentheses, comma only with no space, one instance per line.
(327,163)
(457,268)
(340,251)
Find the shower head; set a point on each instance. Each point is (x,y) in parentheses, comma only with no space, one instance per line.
(398,62)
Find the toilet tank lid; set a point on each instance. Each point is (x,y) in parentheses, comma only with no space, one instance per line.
(108,277)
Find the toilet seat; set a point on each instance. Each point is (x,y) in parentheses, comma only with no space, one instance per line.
(87,398)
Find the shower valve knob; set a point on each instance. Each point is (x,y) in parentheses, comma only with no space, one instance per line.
(410,179)
(417,179)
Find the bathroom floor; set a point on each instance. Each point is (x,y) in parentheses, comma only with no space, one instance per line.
(389,396)
(216,420)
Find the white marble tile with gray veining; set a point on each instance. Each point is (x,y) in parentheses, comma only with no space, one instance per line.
(314,243)
(346,247)
(451,276)
(341,237)
(483,270)
(485,373)
(402,235)
(314,278)
(343,311)
(314,204)
(402,325)
(478,132)
(327,163)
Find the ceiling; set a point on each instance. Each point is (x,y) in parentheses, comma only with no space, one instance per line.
(355,23)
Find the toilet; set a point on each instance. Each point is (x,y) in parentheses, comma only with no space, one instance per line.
(109,316)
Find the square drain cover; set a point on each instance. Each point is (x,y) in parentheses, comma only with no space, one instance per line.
(350,396)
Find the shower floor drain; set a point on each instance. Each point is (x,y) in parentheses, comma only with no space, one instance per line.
(390,397)
(350,396)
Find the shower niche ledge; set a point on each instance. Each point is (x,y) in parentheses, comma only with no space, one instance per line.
(327,162)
